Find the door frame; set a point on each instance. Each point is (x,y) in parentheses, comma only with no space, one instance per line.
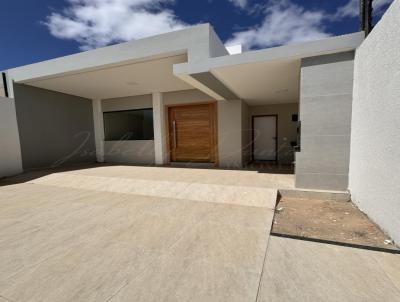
(168,130)
(276,135)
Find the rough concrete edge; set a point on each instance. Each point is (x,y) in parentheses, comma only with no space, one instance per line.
(343,196)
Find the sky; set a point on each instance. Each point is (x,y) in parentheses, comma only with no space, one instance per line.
(37,30)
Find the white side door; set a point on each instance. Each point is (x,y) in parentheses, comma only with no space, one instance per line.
(264,137)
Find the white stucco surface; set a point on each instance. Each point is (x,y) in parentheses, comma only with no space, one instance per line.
(375,137)
(98,129)
(139,152)
(10,150)
(160,141)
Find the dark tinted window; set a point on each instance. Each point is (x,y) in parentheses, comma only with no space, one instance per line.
(129,125)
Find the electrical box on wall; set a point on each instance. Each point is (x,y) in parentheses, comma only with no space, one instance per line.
(297,148)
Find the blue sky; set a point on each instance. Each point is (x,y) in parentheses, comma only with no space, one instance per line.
(37,30)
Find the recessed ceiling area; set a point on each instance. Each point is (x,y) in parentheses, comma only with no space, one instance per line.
(121,81)
(271,82)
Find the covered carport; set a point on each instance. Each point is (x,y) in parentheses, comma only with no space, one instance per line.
(60,102)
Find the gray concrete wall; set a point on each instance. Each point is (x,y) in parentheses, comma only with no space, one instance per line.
(375,137)
(287,129)
(10,150)
(54,128)
(134,151)
(325,112)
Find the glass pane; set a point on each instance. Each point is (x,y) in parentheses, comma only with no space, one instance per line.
(129,125)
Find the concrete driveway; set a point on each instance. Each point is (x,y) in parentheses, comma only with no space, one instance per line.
(118,233)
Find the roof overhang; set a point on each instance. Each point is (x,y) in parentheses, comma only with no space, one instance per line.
(138,78)
(186,59)
(146,65)
(268,75)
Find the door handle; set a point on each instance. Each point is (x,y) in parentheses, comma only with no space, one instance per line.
(174,132)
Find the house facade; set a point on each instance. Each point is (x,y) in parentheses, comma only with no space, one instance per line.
(182,97)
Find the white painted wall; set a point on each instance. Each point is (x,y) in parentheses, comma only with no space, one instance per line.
(375,138)
(230,138)
(160,142)
(128,103)
(10,149)
(186,97)
(230,128)
(246,134)
(128,152)
(234,49)
(98,129)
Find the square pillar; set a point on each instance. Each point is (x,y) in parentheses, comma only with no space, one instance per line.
(160,145)
(98,129)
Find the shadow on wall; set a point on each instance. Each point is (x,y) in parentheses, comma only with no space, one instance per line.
(54,128)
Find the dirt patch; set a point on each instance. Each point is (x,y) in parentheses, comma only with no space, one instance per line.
(336,221)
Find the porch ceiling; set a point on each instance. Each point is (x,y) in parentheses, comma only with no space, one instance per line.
(120,81)
(268,82)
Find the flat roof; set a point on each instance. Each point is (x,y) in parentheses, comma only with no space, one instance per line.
(202,48)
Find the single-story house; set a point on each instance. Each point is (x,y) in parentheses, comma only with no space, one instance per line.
(183,97)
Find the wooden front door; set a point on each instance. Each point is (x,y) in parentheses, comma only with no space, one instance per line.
(192,133)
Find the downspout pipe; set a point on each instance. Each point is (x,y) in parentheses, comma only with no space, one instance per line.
(4,77)
(366,16)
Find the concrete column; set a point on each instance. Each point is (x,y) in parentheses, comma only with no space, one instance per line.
(98,129)
(326,89)
(160,150)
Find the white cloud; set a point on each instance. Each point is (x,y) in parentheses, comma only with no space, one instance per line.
(284,23)
(352,8)
(96,23)
(239,3)
(380,4)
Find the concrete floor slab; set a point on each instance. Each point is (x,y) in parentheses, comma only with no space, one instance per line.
(192,175)
(297,270)
(170,234)
(240,195)
(74,237)
(190,279)
(391,265)
(224,245)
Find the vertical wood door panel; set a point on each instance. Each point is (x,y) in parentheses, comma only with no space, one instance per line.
(192,133)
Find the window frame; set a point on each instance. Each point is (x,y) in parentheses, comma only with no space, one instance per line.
(126,110)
